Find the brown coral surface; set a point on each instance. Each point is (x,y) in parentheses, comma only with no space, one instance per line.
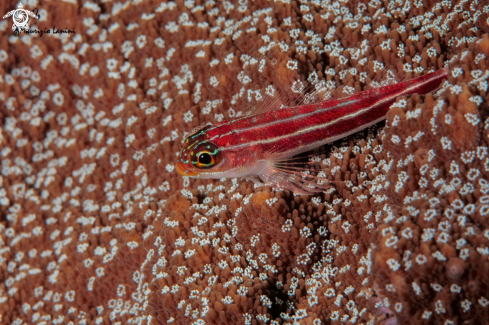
(96,226)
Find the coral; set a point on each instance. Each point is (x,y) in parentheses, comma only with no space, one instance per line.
(97,227)
(438,236)
(233,256)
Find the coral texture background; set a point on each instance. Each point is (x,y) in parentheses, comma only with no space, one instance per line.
(96,226)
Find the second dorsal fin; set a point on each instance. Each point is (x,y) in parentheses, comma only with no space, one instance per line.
(276,96)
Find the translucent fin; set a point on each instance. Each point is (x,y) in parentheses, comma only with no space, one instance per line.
(384,78)
(273,96)
(296,175)
(255,179)
(270,102)
(292,180)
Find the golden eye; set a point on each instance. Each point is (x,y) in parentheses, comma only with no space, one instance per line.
(205,155)
(205,159)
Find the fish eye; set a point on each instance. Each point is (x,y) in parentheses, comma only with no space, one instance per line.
(205,159)
(205,155)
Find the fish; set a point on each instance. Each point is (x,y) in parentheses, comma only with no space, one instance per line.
(263,144)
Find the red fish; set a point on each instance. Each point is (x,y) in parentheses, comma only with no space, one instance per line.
(258,145)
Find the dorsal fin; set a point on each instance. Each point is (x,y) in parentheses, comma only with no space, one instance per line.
(278,94)
(274,95)
(384,78)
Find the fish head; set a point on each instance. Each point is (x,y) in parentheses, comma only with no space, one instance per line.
(200,155)
(207,153)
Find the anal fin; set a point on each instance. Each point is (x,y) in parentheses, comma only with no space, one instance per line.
(285,174)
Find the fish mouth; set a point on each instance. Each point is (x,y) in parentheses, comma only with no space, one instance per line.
(182,170)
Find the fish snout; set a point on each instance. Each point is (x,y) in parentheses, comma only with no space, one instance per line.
(181,168)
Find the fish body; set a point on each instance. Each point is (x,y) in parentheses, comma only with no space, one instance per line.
(252,145)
